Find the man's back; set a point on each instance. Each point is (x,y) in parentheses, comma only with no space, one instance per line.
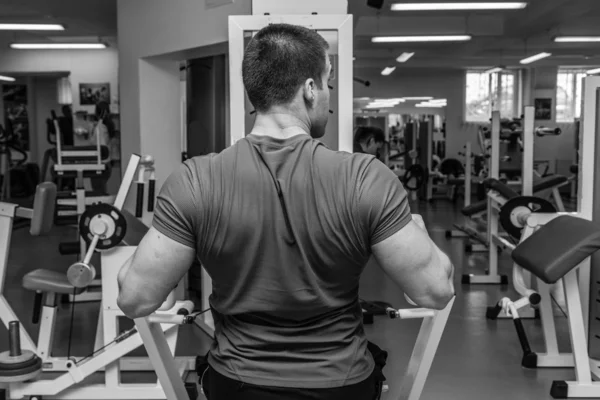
(284,228)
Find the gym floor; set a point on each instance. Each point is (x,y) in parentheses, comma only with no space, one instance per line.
(476,359)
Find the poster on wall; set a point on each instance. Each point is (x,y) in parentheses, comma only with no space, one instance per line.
(92,93)
(543,109)
(16,117)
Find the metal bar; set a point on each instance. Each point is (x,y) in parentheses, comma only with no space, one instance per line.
(162,359)
(79,167)
(128,177)
(577,328)
(7,214)
(528,150)
(468,173)
(422,356)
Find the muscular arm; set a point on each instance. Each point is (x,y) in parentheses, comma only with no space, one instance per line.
(411,259)
(156,267)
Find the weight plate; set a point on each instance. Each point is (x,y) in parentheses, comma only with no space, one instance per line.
(107,212)
(6,360)
(529,204)
(415,177)
(22,374)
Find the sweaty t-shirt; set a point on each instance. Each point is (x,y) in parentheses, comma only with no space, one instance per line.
(284,228)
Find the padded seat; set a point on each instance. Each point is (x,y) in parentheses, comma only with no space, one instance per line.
(43,280)
(549,183)
(474,208)
(558,247)
(502,188)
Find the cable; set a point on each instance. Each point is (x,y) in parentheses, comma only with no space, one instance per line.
(73,301)
(119,338)
(558,305)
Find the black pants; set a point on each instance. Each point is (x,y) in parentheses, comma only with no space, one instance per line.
(219,387)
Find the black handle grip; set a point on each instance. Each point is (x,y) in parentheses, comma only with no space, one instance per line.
(69,248)
(522,336)
(493,312)
(14,339)
(139,201)
(151,186)
(37,307)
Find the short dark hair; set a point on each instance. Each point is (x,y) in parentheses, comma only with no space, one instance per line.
(278,60)
(364,133)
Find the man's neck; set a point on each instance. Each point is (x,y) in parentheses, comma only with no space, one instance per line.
(279,125)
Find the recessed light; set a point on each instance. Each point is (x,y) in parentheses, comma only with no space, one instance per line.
(388,70)
(535,58)
(576,39)
(458,6)
(404,57)
(31,27)
(6,78)
(58,46)
(414,39)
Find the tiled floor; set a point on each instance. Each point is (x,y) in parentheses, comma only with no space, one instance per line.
(477,359)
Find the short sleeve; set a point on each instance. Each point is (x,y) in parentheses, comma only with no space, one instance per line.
(175,212)
(383,207)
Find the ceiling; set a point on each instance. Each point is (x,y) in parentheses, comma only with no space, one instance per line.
(499,37)
(85,20)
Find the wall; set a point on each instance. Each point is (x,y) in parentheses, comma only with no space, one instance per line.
(154,81)
(44,89)
(83,66)
(447,84)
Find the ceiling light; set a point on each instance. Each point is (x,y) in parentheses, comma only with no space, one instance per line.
(458,6)
(58,46)
(494,70)
(379,106)
(576,39)
(593,71)
(535,58)
(390,100)
(429,38)
(418,98)
(427,105)
(31,27)
(6,78)
(388,70)
(404,57)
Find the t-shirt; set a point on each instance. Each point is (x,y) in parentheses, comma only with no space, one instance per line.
(284,228)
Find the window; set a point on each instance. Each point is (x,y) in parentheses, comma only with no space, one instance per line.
(487,92)
(568,94)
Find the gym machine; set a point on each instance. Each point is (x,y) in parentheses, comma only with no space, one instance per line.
(559,250)
(116,232)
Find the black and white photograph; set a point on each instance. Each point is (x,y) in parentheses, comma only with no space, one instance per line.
(93,93)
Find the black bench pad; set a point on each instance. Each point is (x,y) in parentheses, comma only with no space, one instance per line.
(500,187)
(474,208)
(549,182)
(558,247)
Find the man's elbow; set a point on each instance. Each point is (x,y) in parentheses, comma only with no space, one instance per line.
(134,308)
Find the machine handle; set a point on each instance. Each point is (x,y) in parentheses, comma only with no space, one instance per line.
(139,201)
(522,336)
(37,307)
(151,189)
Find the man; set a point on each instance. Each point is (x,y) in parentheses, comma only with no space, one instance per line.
(368,140)
(284,227)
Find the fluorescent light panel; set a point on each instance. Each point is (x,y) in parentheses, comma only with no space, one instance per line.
(6,78)
(458,6)
(388,70)
(428,38)
(404,57)
(418,98)
(535,58)
(494,70)
(57,46)
(31,27)
(576,39)
(593,71)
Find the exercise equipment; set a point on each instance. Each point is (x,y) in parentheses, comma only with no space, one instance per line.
(514,213)
(146,166)
(17,365)
(18,177)
(415,177)
(112,346)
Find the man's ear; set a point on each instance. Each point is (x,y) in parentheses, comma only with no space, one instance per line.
(309,90)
